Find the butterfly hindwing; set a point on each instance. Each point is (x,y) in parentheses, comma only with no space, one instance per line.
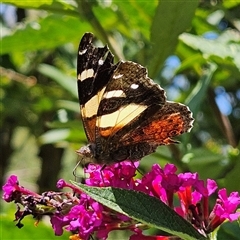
(171,120)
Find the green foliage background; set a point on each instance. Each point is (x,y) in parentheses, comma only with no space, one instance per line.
(40,122)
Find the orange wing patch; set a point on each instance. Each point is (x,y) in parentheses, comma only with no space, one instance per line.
(89,126)
(159,131)
(107,132)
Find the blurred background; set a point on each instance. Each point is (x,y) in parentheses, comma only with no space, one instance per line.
(192,49)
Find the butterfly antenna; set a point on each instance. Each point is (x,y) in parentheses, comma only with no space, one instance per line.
(76,176)
(140,171)
(137,169)
(101,172)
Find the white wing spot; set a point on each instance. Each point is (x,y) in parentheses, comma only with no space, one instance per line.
(134,86)
(88,73)
(82,52)
(114,93)
(100,62)
(117,76)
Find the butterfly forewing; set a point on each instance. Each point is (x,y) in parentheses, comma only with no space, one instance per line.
(94,69)
(128,94)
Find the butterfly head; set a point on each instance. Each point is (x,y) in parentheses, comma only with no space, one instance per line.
(86,154)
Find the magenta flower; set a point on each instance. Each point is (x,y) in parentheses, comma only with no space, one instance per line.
(224,209)
(115,175)
(9,188)
(85,220)
(76,212)
(227,205)
(12,189)
(58,221)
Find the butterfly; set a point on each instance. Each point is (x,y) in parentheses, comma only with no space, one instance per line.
(125,114)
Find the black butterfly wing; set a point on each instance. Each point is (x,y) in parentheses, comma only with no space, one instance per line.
(94,70)
(128,94)
(125,114)
(134,117)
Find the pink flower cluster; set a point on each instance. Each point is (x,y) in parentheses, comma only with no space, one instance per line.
(82,215)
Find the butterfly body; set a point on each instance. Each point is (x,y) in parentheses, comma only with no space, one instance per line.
(125,114)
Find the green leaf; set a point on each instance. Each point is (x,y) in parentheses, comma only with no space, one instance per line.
(203,161)
(232,178)
(200,22)
(195,60)
(56,6)
(216,47)
(54,136)
(198,94)
(46,33)
(229,230)
(69,105)
(171,19)
(231,4)
(143,208)
(68,83)
(143,12)
(70,131)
